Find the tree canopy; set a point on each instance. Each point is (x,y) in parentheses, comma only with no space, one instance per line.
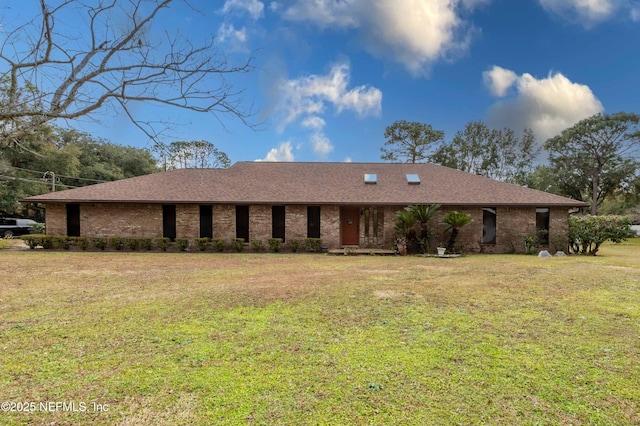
(49,73)
(596,156)
(193,155)
(64,159)
(498,154)
(410,142)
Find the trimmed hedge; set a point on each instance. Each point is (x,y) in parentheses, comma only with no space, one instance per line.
(313,245)
(163,244)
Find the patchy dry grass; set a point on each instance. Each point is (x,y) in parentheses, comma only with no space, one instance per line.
(198,338)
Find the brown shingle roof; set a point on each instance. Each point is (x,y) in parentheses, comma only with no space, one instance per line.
(311,183)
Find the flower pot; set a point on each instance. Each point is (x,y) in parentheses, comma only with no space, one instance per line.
(441,251)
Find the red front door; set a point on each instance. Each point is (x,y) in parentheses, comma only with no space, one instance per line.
(350,226)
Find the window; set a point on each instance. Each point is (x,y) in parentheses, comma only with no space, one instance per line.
(206,222)
(313,222)
(242,222)
(370,178)
(277,222)
(489,225)
(169,221)
(542,225)
(73,220)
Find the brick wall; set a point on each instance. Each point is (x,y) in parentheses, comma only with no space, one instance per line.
(260,223)
(145,220)
(56,219)
(295,222)
(187,221)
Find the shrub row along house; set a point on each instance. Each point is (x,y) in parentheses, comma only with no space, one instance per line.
(344,204)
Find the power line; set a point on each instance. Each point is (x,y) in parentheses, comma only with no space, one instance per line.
(31,180)
(63,176)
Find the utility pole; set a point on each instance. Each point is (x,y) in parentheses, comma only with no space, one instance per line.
(50,175)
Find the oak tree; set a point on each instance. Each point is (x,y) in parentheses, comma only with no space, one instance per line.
(599,152)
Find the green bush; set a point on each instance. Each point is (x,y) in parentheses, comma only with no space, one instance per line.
(529,244)
(294,244)
(312,245)
(238,244)
(60,241)
(218,244)
(132,243)
(37,228)
(33,240)
(256,245)
(182,244)
(81,242)
(47,242)
(587,233)
(145,243)
(201,243)
(162,243)
(275,244)
(115,243)
(99,242)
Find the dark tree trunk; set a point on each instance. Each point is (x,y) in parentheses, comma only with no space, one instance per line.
(452,240)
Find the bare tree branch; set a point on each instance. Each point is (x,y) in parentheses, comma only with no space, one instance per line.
(58,77)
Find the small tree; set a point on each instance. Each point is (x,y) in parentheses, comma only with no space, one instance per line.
(455,220)
(409,142)
(587,233)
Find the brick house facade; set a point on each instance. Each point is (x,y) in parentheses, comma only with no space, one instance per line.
(331,201)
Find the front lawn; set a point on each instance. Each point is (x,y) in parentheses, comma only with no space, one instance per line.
(205,338)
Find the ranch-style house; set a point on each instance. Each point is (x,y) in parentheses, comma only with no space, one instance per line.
(344,204)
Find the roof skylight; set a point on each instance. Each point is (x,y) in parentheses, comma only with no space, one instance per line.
(413,179)
(370,178)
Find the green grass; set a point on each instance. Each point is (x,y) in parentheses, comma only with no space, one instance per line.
(207,338)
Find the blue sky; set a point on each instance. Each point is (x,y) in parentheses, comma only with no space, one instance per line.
(332,74)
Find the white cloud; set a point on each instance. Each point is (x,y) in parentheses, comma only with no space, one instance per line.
(307,96)
(415,33)
(634,13)
(321,144)
(324,13)
(228,33)
(284,152)
(253,7)
(586,12)
(499,80)
(347,160)
(313,122)
(547,106)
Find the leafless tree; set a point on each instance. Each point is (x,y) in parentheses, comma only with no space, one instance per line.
(79,59)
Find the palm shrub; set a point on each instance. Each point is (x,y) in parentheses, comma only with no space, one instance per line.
(423,214)
(412,224)
(455,220)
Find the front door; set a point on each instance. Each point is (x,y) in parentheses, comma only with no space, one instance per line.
(350,226)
